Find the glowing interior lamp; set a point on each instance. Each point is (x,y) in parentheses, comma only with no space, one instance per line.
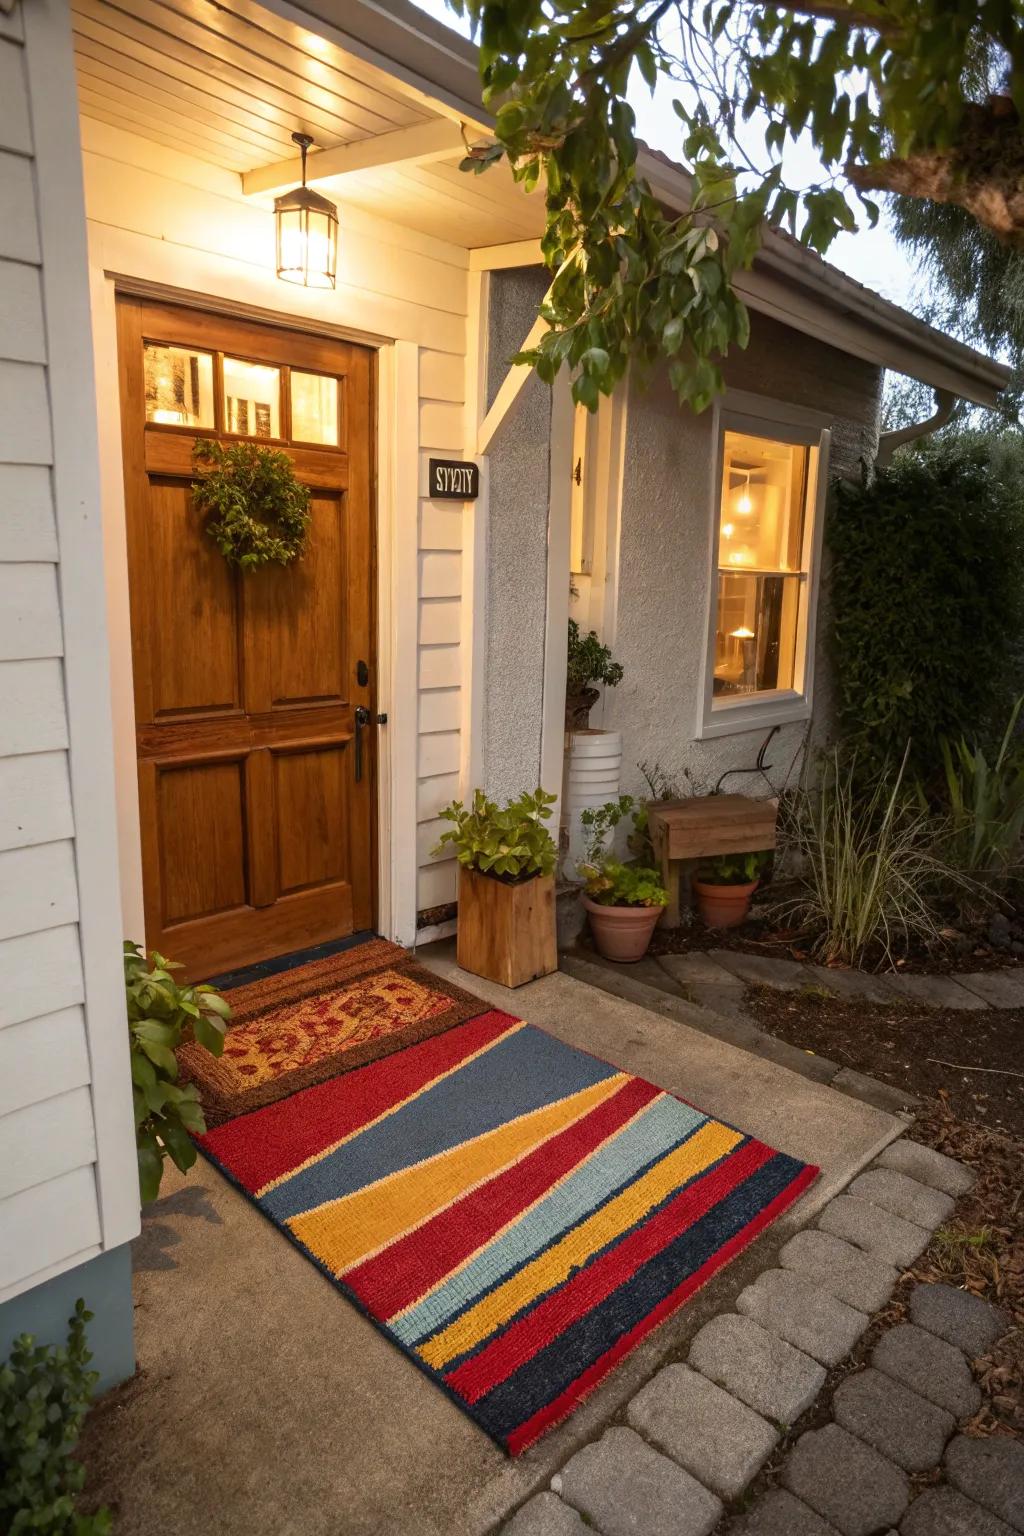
(744,503)
(307,232)
(743,633)
(727,530)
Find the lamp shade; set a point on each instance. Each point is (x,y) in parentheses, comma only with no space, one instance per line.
(307,238)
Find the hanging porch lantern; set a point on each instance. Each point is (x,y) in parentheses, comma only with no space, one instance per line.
(307,232)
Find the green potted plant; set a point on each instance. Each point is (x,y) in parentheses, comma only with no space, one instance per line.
(725,885)
(623,902)
(506,857)
(589,662)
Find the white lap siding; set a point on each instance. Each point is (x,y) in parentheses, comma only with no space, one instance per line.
(67,1182)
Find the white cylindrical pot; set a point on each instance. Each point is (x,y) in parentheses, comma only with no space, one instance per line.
(593,765)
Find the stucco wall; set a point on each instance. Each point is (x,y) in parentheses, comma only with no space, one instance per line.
(664,557)
(517,551)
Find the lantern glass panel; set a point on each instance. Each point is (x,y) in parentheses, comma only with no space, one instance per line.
(179,386)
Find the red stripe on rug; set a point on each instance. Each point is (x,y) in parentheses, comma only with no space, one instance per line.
(270,1142)
(560,1407)
(590,1286)
(401,1273)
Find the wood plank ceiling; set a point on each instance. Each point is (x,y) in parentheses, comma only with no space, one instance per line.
(228,83)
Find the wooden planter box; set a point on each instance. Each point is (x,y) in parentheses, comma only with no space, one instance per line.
(506,932)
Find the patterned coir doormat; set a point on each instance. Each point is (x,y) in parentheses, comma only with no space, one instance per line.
(302,1026)
(513,1213)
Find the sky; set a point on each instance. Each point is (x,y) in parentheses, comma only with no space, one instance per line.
(872,256)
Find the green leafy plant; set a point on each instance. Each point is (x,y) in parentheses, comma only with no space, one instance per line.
(589,661)
(733,868)
(986,807)
(623,885)
(162,1016)
(599,823)
(510,842)
(868,873)
(927,597)
(44,1395)
(255,510)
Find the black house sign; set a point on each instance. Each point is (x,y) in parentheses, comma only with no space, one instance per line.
(452,480)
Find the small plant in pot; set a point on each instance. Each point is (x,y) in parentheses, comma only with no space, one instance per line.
(623,902)
(506,886)
(724,887)
(589,662)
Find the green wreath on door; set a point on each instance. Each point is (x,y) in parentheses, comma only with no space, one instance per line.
(255,510)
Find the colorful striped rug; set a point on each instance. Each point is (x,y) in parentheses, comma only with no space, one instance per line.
(515,1214)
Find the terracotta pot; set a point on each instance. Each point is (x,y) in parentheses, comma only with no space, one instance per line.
(621,933)
(723,906)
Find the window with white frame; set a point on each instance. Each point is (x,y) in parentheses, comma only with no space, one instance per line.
(763,580)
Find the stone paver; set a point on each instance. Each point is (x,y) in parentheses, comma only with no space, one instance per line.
(625,1488)
(944,1512)
(545,1515)
(846,1482)
(761,970)
(778,1513)
(695,966)
(885,1414)
(874,1230)
(1000,989)
(958,1317)
(847,1273)
(935,992)
(928,1366)
(903,1196)
(927,1166)
(768,1374)
(990,1471)
(707,1431)
(873,989)
(803,1314)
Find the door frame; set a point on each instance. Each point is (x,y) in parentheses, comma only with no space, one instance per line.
(395,416)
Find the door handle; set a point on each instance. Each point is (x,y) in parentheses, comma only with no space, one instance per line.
(362,719)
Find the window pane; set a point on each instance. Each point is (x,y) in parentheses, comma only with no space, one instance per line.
(764,492)
(179,386)
(314,408)
(252,399)
(756,633)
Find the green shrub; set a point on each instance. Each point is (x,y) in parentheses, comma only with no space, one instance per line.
(623,885)
(162,1016)
(986,809)
(866,862)
(511,843)
(927,605)
(44,1395)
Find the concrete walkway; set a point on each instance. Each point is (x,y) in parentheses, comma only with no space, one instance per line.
(266,1402)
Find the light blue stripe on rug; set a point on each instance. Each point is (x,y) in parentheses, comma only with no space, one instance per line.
(655,1132)
(522,1072)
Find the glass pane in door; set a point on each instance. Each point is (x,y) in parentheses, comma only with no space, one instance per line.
(252,398)
(178,386)
(314,408)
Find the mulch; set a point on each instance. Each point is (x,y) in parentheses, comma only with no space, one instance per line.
(912,1048)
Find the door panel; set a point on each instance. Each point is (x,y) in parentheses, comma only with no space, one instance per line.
(257,837)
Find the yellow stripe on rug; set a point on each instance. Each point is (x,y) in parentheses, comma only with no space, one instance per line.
(554,1266)
(344,1232)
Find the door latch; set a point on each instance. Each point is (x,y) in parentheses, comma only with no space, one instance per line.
(363,718)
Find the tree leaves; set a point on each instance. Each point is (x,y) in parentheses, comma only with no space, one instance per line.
(863,81)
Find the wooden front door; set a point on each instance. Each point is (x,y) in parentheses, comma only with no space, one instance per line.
(256,790)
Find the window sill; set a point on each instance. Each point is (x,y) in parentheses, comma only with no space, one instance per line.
(734,719)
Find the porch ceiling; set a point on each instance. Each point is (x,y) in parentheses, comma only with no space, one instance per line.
(229,81)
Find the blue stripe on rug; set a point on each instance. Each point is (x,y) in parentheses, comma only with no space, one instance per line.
(522,1072)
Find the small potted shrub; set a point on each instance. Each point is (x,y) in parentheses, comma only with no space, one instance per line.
(589,662)
(623,901)
(506,860)
(725,885)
